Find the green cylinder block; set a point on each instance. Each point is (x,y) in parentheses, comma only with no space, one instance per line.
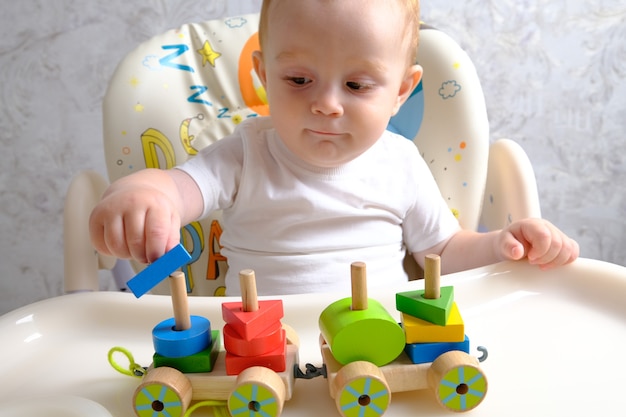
(361,335)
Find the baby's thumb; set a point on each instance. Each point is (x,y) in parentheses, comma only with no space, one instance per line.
(512,249)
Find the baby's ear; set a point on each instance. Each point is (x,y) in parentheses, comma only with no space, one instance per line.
(259,66)
(409,82)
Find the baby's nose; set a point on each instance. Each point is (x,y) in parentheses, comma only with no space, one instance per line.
(327,102)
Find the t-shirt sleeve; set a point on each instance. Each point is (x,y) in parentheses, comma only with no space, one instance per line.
(216,170)
(429,221)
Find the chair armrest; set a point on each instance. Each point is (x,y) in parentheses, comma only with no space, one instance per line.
(81,261)
(511,189)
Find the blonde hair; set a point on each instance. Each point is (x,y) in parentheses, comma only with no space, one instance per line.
(411,8)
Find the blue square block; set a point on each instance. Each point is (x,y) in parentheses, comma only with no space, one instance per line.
(158,270)
(428,352)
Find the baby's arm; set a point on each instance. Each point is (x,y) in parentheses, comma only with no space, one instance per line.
(140,215)
(538,240)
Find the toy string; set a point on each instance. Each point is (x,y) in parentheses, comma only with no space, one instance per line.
(219,408)
(134,369)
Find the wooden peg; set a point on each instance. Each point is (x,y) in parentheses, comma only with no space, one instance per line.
(432,275)
(180,303)
(359,286)
(247,282)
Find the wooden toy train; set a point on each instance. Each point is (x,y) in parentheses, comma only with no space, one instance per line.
(256,372)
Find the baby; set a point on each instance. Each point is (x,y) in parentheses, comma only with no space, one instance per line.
(320,183)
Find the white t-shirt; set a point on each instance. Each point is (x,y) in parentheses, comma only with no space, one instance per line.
(299,227)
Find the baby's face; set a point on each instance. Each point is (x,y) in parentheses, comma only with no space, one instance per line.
(335,72)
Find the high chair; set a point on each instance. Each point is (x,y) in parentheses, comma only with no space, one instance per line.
(185,89)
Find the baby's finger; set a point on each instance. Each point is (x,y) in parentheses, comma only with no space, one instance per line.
(161,229)
(540,240)
(134,226)
(512,248)
(115,239)
(174,232)
(96,232)
(568,253)
(575,252)
(546,250)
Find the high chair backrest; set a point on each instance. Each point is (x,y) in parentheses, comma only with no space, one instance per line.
(187,88)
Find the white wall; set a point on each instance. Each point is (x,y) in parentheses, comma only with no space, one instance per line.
(553,74)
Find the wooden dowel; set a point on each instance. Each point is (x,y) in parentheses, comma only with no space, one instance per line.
(247,283)
(180,303)
(432,275)
(359,286)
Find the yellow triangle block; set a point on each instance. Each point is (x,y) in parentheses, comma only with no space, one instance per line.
(422,331)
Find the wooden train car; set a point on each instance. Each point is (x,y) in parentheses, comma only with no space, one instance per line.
(255,374)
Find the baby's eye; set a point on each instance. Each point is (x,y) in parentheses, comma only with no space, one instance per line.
(298,80)
(357,86)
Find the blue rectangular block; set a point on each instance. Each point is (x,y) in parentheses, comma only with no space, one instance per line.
(428,352)
(157,271)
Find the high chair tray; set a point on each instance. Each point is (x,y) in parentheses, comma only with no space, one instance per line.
(556,343)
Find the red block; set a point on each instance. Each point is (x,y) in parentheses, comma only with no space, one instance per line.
(275,360)
(250,324)
(266,342)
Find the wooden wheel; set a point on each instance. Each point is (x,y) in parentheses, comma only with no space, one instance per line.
(458,382)
(361,390)
(163,392)
(259,392)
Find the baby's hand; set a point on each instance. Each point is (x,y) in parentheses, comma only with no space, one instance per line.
(539,241)
(135,219)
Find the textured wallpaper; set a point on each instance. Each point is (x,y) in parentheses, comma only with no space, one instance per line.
(553,73)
